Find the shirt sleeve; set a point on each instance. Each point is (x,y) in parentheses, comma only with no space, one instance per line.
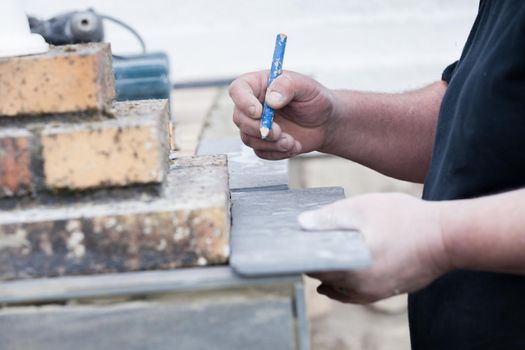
(449,72)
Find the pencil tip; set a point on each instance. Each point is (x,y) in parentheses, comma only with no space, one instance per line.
(264,132)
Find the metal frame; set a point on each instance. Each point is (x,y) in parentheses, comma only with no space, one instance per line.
(130,283)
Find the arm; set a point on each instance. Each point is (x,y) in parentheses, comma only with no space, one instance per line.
(391,133)
(414,242)
(486,233)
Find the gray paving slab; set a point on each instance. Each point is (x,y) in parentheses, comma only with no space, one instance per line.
(266,238)
(219,146)
(247,171)
(257,323)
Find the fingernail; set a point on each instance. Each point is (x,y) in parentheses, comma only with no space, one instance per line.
(275,97)
(283,144)
(251,111)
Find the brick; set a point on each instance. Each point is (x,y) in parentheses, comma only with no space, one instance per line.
(73,78)
(129,149)
(187,226)
(171,136)
(15,162)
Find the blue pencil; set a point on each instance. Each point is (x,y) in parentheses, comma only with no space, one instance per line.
(275,71)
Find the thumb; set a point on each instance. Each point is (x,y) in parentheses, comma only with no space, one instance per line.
(331,217)
(281,91)
(291,86)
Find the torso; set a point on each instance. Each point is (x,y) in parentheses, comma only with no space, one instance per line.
(479,150)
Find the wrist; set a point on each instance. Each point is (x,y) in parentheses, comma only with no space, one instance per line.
(449,212)
(333,123)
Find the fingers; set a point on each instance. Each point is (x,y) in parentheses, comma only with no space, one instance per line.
(285,143)
(249,90)
(252,127)
(245,92)
(276,146)
(335,216)
(339,294)
(277,155)
(331,277)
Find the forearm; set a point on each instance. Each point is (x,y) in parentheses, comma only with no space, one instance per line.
(390,133)
(486,233)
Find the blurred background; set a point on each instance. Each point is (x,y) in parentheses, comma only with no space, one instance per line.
(376,45)
(343,43)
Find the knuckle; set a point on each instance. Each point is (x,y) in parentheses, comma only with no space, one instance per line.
(286,79)
(246,139)
(231,88)
(330,213)
(261,154)
(236,118)
(284,83)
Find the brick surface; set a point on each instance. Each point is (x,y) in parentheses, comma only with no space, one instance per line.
(15,162)
(187,226)
(129,149)
(73,78)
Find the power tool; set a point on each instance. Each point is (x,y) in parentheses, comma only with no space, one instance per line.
(137,77)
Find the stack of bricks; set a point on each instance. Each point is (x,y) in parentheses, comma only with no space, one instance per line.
(86,184)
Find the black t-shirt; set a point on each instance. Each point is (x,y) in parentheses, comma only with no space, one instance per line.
(479,150)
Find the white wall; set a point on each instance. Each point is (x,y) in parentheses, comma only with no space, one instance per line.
(366,44)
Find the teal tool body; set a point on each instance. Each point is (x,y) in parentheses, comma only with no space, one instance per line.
(276,70)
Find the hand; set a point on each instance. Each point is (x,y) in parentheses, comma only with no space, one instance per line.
(303,111)
(404,236)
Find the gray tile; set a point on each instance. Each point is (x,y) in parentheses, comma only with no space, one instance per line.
(267,240)
(247,171)
(219,146)
(257,323)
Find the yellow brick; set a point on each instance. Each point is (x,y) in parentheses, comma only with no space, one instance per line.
(72,78)
(129,149)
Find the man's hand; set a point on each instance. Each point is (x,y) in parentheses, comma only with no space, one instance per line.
(405,239)
(303,110)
